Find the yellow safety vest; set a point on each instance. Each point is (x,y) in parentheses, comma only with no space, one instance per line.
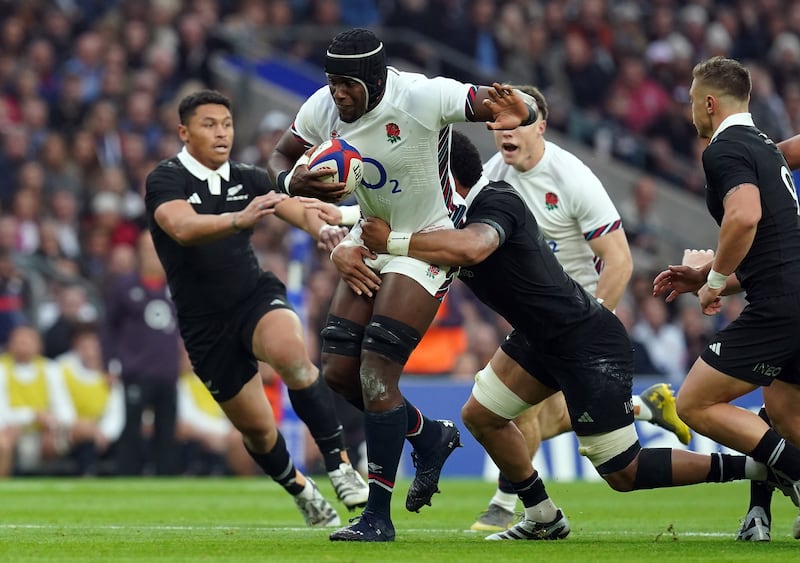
(89,397)
(33,394)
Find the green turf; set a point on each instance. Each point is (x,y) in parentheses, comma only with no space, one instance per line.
(253,520)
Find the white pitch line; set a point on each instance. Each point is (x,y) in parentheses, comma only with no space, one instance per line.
(667,536)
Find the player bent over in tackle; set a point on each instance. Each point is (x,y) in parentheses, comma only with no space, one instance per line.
(587,231)
(564,338)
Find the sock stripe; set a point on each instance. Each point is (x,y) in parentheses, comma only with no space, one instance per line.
(417,430)
(381,482)
(776,453)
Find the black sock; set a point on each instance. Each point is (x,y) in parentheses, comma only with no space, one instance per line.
(385,434)
(504,484)
(761,495)
(778,454)
(278,464)
(760,492)
(315,406)
(421,432)
(726,467)
(531,491)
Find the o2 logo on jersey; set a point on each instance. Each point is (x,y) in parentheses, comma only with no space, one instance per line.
(553,245)
(375,170)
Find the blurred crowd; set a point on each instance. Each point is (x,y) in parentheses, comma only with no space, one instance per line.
(88,106)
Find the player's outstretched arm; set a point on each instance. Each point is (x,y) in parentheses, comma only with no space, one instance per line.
(501,106)
(448,247)
(188,228)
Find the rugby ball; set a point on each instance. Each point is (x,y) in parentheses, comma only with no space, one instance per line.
(342,159)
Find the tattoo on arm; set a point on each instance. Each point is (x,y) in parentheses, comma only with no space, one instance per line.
(732,191)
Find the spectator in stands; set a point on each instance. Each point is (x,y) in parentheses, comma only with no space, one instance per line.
(98,399)
(35,404)
(141,336)
(15,295)
(642,224)
(73,310)
(664,340)
(59,171)
(269,130)
(634,100)
(697,332)
(642,364)
(588,77)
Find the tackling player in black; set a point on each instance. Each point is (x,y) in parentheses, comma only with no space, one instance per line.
(201,210)
(564,338)
(751,195)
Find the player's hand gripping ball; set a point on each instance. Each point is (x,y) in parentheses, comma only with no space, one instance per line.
(342,159)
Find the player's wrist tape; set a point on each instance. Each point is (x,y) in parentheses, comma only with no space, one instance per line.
(284,178)
(282,184)
(350,214)
(531,117)
(397,243)
(233,222)
(533,109)
(715,280)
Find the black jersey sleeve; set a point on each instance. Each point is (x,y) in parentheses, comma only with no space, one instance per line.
(728,164)
(166,183)
(501,209)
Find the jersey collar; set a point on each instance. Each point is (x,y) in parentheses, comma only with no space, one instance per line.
(731,120)
(476,189)
(202,172)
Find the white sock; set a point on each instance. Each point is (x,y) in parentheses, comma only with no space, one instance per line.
(545,511)
(644,411)
(505,500)
(754,470)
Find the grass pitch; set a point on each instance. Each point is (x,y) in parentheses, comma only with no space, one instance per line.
(252,519)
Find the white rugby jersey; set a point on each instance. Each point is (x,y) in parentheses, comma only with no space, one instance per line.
(402,144)
(570,204)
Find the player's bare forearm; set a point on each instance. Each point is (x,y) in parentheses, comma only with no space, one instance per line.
(446,247)
(180,221)
(296,214)
(612,283)
(455,247)
(613,250)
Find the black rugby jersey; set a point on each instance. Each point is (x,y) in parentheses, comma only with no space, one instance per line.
(522,280)
(208,278)
(741,154)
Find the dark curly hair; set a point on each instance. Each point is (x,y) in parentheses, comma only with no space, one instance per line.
(465,160)
(189,104)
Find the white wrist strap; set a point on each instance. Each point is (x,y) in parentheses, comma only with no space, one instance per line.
(350,214)
(397,243)
(715,280)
